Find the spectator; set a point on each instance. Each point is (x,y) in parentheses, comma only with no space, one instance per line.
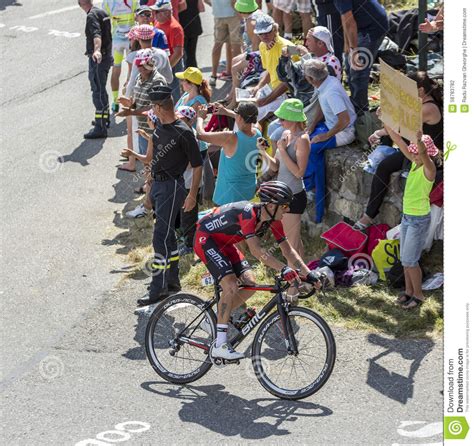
(287,7)
(122,17)
(432,116)
(99,52)
(148,79)
(196,91)
(237,172)
(435,25)
(189,219)
(270,47)
(332,126)
(226,30)
(165,21)
(416,212)
(144,35)
(318,46)
(178,6)
(170,149)
(328,16)
(290,162)
(365,24)
(248,11)
(144,16)
(191,23)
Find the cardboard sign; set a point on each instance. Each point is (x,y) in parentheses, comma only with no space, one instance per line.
(401,106)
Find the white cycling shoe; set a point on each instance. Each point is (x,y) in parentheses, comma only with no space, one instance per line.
(225,351)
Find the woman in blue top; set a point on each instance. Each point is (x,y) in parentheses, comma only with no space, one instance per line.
(237,172)
(196,92)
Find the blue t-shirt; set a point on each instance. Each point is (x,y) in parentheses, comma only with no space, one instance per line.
(333,100)
(222,8)
(369,15)
(160,41)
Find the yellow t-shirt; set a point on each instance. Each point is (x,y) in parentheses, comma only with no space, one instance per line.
(270,58)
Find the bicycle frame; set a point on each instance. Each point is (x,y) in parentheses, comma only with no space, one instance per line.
(244,331)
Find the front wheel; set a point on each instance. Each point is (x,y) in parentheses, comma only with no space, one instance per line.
(178,336)
(300,375)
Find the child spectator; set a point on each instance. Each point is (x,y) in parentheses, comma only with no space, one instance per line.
(416,212)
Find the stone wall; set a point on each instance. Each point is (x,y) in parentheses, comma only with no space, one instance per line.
(348,190)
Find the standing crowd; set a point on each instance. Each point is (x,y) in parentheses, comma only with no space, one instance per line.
(286,106)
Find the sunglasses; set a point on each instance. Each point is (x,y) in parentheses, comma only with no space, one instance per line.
(145,14)
(285,206)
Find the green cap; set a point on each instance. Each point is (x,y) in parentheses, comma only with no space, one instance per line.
(291,110)
(246,6)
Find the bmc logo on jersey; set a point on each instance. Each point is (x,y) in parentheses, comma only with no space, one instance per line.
(216,223)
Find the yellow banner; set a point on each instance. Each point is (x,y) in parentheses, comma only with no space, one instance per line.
(399,101)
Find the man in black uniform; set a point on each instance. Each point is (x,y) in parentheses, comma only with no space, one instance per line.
(99,51)
(170,149)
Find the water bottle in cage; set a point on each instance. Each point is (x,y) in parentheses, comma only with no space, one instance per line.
(250,312)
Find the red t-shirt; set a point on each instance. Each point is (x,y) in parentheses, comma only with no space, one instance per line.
(174,33)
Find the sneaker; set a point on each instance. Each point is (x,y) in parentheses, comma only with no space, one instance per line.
(139,212)
(212,81)
(225,351)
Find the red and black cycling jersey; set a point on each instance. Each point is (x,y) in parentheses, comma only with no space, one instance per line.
(234,222)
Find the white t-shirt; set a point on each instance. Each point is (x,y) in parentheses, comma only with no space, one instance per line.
(162,65)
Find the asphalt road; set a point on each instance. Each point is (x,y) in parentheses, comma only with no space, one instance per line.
(73,364)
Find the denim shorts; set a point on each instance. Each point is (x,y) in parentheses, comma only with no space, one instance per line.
(142,145)
(413,231)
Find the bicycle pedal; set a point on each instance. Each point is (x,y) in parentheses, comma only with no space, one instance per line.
(229,362)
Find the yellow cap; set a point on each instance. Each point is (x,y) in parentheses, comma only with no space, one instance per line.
(191,74)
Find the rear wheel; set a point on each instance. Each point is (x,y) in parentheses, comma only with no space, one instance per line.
(177,347)
(294,376)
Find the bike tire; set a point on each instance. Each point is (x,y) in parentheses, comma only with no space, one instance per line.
(323,374)
(160,313)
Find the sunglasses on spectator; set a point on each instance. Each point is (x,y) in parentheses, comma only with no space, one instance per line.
(145,14)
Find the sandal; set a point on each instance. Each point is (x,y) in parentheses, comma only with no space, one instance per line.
(121,167)
(225,76)
(124,154)
(415,301)
(139,190)
(403,298)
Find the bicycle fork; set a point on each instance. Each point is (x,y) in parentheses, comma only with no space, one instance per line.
(288,333)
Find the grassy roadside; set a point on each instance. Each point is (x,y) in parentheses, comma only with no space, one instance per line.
(370,309)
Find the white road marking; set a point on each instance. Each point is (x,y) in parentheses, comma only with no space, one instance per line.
(57,11)
(68,35)
(26,29)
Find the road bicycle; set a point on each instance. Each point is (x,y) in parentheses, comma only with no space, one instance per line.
(293,350)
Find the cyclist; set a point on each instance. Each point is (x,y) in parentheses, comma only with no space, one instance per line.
(122,16)
(217,234)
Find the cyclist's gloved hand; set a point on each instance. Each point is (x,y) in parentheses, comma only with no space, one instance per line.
(314,278)
(289,274)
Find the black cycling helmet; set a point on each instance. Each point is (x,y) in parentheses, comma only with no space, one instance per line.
(275,192)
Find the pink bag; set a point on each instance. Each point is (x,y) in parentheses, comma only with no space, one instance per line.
(374,234)
(344,237)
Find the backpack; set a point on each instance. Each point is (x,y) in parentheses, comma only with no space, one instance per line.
(334,259)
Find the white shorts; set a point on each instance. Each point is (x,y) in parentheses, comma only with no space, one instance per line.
(303,6)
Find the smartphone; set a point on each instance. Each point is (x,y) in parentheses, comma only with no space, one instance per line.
(211,108)
(263,141)
(292,50)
